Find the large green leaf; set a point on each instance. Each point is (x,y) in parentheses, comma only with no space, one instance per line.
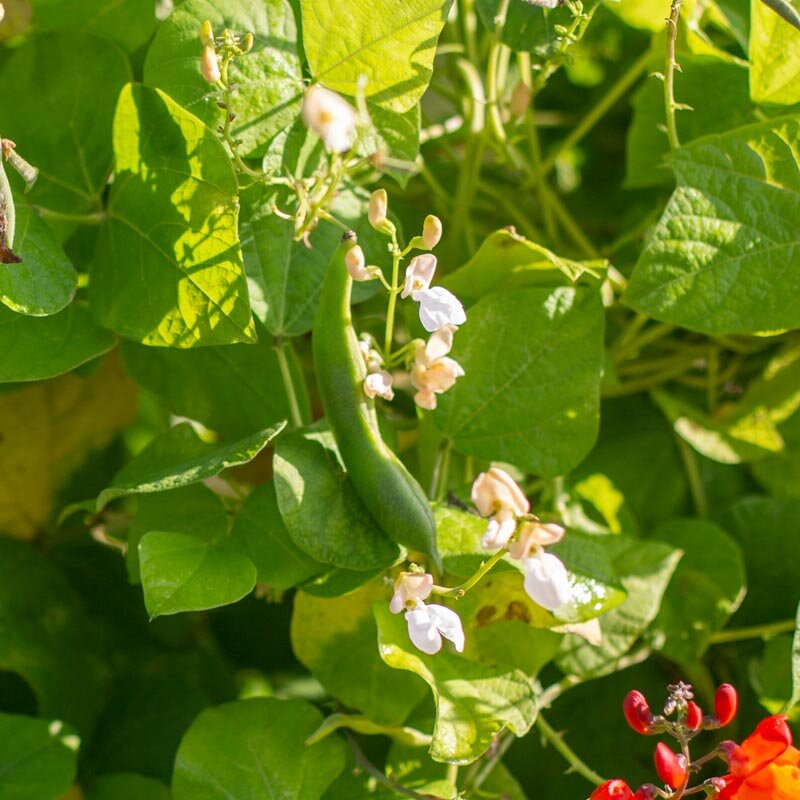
(727,107)
(707,587)
(233,389)
(345,40)
(44,281)
(260,533)
(74,79)
(645,569)
(724,257)
(780,475)
(338,641)
(179,458)
(36,348)
(185,573)
(129,23)
(38,758)
(533,360)
(774,57)
(474,702)
(269,77)
(169,269)
(320,507)
(47,637)
(253,749)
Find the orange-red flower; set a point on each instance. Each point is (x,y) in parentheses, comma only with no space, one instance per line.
(765,766)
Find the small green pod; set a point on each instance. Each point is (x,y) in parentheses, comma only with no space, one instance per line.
(388,490)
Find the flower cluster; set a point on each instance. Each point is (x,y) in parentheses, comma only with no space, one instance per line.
(764,767)
(497,496)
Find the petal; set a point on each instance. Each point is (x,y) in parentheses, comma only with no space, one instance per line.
(499,530)
(438,307)
(449,624)
(440,342)
(547,581)
(769,740)
(422,630)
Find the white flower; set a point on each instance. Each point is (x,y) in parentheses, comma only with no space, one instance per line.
(438,307)
(357,265)
(534,535)
(209,64)
(496,495)
(409,589)
(428,624)
(433,372)
(500,529)
(419,274)
(431,231)
(379,384)
(546,580)
(330,117)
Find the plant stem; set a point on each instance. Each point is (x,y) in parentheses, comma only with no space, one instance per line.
(459,591)
(599,110)
(390,311)
(557,740)
(441,471)
(568,223)
(755,632)
(693,474)
(669,75)
(493,760)
(288,382)
(97,218)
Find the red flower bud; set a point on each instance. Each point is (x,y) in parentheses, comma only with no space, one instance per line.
(726,703)
(694,716)
(669,766)
(636,711)
(612,790)
(646,792)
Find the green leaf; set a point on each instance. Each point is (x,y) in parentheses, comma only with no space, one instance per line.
(724,256)
(320,507)
(394,49)
(44,281)
(645,569)
(795,696)
(36,348)
(338,641)
(47,638)
(178,458)
(184,573)
(194,510)
(395,138)
(76,78)
(38,758)
(256,748)
(772,676)
(474,702)
(127,786)
(706,589)
(506,259)
(727,107)
(260,533)
(337,581)
(169,269)
(763,529)
(774,57)
(780,475)
(233,389)
(269,77)
(129,23)
(533,360)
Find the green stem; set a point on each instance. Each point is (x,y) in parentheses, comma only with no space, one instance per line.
(568,223)
(493,73)
(459,591)
(670,105)
(693,474)
(755,632)
(636,343)
(572,758)
(493,760)
(97,218)
(390,311)
(441,471)
(288,382)
(599,110)
(645,383)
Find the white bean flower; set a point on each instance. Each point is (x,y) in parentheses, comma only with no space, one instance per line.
(546,580)
(419,274)
(533,536)
(496,495)
(331,117)
(427,624)
(409,588)
(379,384)
(433,371)
(438,307)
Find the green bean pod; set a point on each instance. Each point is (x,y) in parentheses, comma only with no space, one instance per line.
(388,490)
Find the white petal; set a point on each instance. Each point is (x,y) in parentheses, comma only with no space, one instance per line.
(440,342)
(546,581)
(448,623)
(438,307)
(419,274)
(498,532)
(422,630)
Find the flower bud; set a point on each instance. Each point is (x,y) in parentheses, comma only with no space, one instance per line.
(209,66)
(637,711)
(356,264)
(206,34)
(694,716)
(379,384)
(495,490)
(671,768)
(726,704)
(615,789)
(431,231)
(646,792)
(408,589)
(377,209)
(247,43)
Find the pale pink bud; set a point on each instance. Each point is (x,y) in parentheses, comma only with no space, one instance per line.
(378,206)
(209,65)
(534,535)
(409,588)
(431,231)
(356,265)
(379,384)
(495,490)
(425,399)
